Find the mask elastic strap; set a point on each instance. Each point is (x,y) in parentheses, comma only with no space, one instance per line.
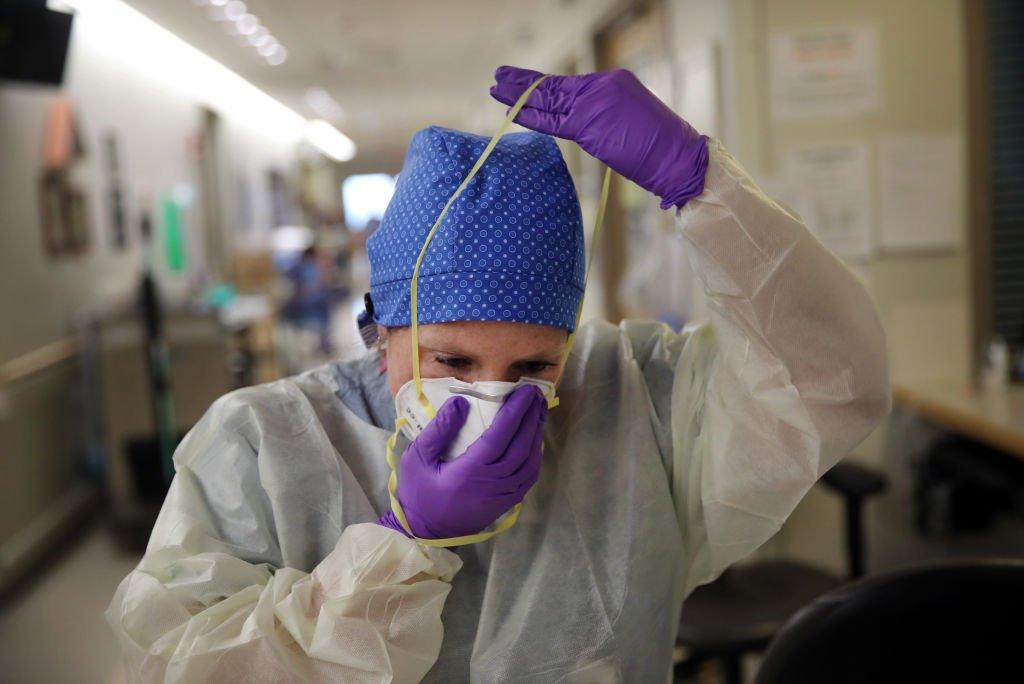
(594,238)
(414,286)
(509,520)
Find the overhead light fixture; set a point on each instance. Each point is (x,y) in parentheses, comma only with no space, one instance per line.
(278,56)
(247,24)
(323,105)
(259,36)
(123,34)
(242,24)
(235,10)
(330,140)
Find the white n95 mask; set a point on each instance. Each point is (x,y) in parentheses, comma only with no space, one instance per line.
(485,398)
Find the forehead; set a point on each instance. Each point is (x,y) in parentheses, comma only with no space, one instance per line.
(493,338)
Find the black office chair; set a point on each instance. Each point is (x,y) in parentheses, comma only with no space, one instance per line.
(747,605)
(947,623)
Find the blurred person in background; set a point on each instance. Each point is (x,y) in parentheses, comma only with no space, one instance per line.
(308,305)
(279,554)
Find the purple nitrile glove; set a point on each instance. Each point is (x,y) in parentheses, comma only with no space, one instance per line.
(463,496)
(615,118)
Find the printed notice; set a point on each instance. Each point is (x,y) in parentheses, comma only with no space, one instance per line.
(698,87)
(824,72)
(833,184)
(921,202)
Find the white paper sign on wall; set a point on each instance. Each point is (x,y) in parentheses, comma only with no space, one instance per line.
(698,88)
(824,72)
(832,181)
(921,192)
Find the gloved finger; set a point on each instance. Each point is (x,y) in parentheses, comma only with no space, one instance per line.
(526,485)
(505,502)
(522,480)
(520,455)
(551,95)
(529,470)
(499,465)
(437,436)
(541,121)
(496,438)
(516,75)
(509,93)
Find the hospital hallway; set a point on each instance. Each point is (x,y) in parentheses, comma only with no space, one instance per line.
(58,617)
(56,614)
(717,306)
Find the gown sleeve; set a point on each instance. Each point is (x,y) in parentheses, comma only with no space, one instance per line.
(786,377)
(210,600)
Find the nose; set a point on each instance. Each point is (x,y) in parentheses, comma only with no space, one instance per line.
(495,373)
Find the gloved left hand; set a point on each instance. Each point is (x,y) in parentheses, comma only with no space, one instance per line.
(463,496)
(615,118)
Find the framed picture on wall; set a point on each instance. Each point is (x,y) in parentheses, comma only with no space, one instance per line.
(115,195)
(63,210)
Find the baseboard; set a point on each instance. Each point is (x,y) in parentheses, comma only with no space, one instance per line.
(35,540)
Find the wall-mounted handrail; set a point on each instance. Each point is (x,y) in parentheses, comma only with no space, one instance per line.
(37,360)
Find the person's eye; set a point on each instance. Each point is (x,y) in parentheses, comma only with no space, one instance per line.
(535,367)
(453,361)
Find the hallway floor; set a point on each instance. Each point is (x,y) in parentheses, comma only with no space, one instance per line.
(54,631)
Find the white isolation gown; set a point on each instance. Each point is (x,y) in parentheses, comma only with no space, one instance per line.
(671,456)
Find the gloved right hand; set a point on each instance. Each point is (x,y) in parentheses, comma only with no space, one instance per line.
(616,119)
(443,499)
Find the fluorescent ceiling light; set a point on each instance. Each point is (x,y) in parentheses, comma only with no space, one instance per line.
(330,140)
(247,24)
(125,35)
(323,105)
(277,57)
(235,10)
(236,20)
(259,36)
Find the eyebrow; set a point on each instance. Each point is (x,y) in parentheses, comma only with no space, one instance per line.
(540,357)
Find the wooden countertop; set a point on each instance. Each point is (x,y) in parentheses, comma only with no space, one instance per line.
(992,416)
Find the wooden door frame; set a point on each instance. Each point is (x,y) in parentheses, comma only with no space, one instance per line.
(979,173)
(613,239)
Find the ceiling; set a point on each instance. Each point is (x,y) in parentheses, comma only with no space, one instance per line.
(394,66)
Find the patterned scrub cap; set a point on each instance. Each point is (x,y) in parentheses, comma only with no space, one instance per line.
(509,249)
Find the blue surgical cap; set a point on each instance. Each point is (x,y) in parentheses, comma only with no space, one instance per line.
(509,249)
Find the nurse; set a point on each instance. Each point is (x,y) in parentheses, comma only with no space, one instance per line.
(278,555)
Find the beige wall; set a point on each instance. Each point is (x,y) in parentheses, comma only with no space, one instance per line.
(30,477)
(156,123)
(923,298)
